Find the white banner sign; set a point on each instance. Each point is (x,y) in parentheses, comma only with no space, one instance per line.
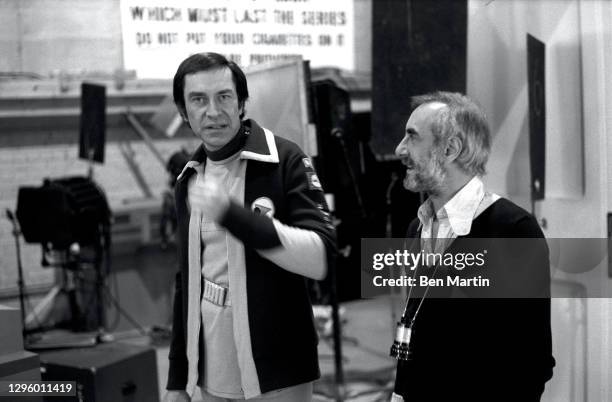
(158,35)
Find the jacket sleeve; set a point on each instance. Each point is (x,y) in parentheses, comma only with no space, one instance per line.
(306,202)
(533,264)
(177,371)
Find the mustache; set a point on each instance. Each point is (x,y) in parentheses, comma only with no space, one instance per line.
(435,156)
(407,160)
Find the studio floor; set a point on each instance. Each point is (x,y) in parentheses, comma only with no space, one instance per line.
(144,281)
(368,370)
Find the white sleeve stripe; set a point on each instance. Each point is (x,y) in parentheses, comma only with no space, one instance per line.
(302,251)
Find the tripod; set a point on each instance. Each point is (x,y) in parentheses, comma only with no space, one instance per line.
(72,262)
(27,332)
(69,261)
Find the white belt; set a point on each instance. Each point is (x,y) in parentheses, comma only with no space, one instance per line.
(216,294)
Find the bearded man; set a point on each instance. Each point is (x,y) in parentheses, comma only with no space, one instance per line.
(472,348)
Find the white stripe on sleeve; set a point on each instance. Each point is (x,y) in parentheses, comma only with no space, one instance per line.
(301,252)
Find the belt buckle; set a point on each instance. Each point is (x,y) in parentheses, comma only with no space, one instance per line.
(214,293)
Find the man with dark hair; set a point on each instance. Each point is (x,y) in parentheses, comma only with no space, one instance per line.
(252,225)
(470,348)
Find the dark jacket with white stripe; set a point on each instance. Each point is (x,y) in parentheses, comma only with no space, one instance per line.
(282,333)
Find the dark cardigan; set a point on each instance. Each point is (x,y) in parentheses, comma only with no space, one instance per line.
(493,349)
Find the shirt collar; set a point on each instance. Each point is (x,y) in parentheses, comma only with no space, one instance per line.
(460,210)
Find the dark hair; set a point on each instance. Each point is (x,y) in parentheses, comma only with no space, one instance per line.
(464,119)
(204,62)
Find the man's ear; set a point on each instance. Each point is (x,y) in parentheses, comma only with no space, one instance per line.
(453,149)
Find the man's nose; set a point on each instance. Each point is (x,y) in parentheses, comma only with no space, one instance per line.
(401,149)
(212,109)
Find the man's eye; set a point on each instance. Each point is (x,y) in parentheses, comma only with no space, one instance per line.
(198,99)
(225,97)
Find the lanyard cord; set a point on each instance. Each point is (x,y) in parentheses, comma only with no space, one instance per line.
(422,298)
(409,291)
(486,200)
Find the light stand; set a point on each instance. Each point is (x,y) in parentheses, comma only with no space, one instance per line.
(64,215)
(337,336)
(67,261)
(20,283)
(340,392)
(71,263)
(388,235)
(338,134)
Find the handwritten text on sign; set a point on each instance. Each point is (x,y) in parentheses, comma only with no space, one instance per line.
(158,34)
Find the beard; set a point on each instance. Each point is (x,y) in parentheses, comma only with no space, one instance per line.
(427,175)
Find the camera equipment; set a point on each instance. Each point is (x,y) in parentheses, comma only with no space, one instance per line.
(62,212)
(68,216)
(401,345)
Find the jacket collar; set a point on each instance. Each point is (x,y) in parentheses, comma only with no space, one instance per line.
(260,146)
